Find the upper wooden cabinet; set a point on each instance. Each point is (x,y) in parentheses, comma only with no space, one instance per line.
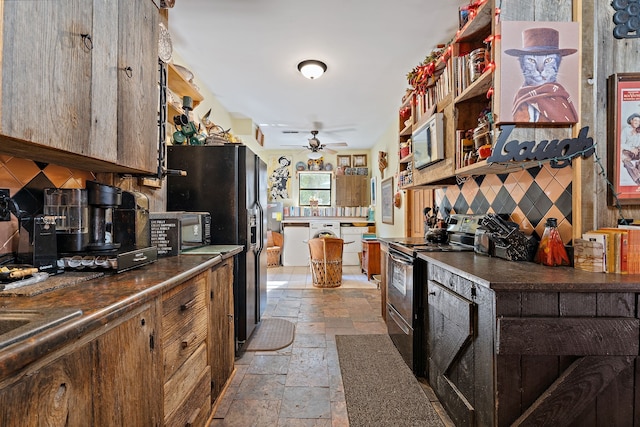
(352,190)
(138,94)
(81,88)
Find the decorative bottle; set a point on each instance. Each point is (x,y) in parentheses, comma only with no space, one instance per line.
(551,250)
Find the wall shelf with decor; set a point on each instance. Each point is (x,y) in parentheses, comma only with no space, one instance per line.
(463,73)
(406,119)
(180,86)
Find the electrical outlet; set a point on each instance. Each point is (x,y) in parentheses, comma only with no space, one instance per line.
(5,201)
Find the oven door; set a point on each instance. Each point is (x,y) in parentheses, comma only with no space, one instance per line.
(400,316)
(401,334)
(400,284)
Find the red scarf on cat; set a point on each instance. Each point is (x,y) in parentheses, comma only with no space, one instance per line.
(550,99)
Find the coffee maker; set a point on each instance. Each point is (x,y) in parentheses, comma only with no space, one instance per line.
(102,221)
(131,225)
(102,200)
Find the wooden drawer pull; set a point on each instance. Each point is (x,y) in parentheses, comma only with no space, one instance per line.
(187,305)
(192,419)
(186,341)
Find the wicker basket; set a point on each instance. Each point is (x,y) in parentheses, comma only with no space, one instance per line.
(273,256)
(274,248)
(326,261)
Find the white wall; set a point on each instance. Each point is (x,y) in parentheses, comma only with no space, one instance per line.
(388,142)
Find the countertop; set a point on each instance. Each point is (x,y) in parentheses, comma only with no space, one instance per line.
(340,219)
(101,300)
(503,275)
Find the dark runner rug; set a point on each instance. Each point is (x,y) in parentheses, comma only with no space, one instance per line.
(271,334)
(379,388)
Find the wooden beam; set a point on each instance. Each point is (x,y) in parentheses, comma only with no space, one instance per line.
(568,336)
(577,387)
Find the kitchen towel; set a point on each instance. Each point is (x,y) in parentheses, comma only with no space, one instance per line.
(379,388)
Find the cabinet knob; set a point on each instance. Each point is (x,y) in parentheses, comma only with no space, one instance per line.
(187,305)
(86,39)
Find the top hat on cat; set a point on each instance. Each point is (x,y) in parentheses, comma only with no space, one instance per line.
(540,41)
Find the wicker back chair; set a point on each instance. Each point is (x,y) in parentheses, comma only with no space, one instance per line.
(326,261)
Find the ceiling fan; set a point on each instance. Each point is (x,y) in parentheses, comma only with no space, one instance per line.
(315,146)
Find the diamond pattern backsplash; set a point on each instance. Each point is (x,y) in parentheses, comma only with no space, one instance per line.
(26,181)
(529,197)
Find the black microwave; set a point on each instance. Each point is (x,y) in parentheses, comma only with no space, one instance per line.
(175,231)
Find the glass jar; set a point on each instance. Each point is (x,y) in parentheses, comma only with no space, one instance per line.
(551,250)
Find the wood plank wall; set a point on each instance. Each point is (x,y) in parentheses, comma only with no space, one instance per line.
(602,55)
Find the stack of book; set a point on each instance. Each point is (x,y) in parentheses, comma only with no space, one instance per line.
(609,250)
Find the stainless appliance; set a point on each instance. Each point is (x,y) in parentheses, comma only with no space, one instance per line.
(407,298)
(174,232)
(275,214)
(87,228)
(230,182)
(324,228)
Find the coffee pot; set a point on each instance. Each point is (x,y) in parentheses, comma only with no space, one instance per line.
(102,200)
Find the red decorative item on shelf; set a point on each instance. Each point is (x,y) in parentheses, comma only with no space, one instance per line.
(551,250)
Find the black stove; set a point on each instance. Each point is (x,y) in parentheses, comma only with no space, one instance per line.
(414,245)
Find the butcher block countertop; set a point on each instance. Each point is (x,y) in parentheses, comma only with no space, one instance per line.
(102,300)
(499,274)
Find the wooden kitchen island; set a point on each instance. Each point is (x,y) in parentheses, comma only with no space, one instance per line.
(153,346)
(516,343)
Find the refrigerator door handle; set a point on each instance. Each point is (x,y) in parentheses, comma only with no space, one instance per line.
(259,230)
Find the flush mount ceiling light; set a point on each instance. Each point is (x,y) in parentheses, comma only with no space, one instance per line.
(312,69)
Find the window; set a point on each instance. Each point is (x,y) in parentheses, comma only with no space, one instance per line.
(315,184)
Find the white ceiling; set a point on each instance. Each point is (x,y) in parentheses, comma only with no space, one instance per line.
(246,52)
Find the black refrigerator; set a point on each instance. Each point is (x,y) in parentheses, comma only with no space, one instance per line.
(229,181)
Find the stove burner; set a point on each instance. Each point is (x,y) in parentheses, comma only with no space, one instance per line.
(442,248)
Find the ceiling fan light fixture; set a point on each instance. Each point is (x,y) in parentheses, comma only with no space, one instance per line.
(314,155)
(312,68)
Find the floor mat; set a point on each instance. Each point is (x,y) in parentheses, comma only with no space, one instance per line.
(379,388)
(271,334)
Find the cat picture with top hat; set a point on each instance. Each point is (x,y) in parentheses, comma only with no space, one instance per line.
(539,76)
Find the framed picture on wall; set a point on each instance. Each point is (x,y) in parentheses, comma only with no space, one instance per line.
(538,62)
(344,161)
(623,138)
(359,160)
(386,201)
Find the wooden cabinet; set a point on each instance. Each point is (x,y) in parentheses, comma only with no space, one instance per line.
(61,390)
(163,363)
(187,374)
(370,257)
(82,88)
(503,354)
(459,347)
(103,380)
(127,366)
(138,92)
(221,327)
(352,190)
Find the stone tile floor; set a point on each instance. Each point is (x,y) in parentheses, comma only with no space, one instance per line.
(301,385)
